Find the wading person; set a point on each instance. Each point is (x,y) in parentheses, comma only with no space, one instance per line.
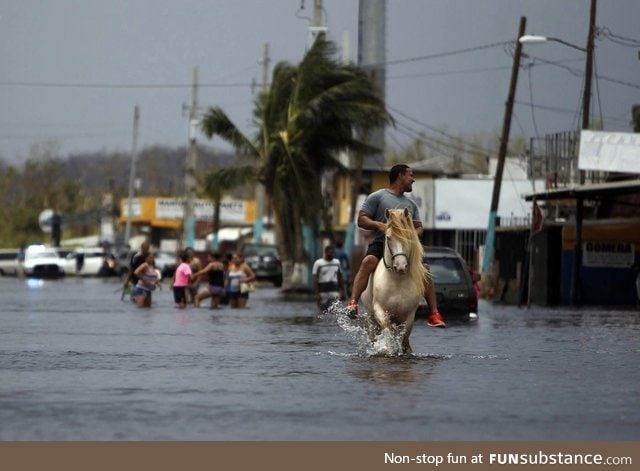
(239,279)
(327,279)
(181,280)
(215,271)
(196,266)
(372,217)
(137,259)
(147,277)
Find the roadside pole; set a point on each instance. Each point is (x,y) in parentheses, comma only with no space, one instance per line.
(502,153)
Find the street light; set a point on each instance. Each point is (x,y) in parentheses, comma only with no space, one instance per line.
(586,103)
(535,39)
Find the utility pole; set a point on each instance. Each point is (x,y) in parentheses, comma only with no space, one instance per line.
(132,173)
(588,74)
(258,224)
(317,23)
(189,221)
(502,153)
(586,113)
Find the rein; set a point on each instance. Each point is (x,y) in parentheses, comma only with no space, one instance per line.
(393,255)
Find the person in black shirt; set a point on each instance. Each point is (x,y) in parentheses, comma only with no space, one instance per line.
(137,259)
(215,272)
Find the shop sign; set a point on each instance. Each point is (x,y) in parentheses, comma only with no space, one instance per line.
(608,254)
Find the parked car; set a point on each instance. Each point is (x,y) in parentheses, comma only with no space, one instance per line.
(9,262)
(264,260)
(456,294)
(39,261)
(166,262)
(90,261)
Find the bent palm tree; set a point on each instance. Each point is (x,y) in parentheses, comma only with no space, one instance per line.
(308,114)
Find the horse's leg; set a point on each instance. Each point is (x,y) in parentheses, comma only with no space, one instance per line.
(406,346)
(375,327)
(385,330)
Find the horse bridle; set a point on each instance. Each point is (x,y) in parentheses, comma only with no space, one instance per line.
(393,255)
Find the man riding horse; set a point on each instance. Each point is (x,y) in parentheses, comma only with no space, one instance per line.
(372,217)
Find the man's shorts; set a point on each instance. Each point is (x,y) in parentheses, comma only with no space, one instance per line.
(376,247)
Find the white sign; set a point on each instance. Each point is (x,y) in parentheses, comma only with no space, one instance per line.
(465,204)
(422,194)
(136,209)
(609,151)
(608,254)
(173,208)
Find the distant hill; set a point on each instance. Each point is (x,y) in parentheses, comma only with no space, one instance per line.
(160,169)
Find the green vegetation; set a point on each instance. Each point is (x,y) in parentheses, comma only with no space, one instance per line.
(309,113)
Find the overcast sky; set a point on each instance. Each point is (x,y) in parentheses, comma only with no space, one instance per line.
(72,71)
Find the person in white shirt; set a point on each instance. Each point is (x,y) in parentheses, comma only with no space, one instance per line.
(327,278)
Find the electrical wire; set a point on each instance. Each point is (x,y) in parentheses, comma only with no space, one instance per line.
(433,129)
(437,145)
(117,85)
(439,55)
(615,38)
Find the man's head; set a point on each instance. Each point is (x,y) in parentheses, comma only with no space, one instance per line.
(329,252)
(402,177)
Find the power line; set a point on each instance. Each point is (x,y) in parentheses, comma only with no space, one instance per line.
(436,130)
(439,55)
(616,38)
(451,72)
(118,85)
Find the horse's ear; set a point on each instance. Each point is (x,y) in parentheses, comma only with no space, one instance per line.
(386,213)
(406,212)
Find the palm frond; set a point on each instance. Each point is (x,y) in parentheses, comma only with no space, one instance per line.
(216,123)
(217,182)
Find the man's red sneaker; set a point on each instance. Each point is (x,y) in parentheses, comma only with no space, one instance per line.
(352,309)
(436,320)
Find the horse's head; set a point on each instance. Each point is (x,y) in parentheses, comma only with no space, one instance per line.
(398,242)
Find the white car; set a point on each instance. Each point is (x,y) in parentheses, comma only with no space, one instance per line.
(9,262)
(90,261)
(41,262)
(166,262)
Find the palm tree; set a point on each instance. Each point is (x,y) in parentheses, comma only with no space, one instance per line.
(309,113)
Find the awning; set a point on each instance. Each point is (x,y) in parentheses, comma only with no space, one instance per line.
(581,193)
(591,191)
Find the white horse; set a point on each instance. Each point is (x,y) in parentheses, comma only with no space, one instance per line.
(397,284)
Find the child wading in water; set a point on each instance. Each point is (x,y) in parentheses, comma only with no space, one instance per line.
(181,280)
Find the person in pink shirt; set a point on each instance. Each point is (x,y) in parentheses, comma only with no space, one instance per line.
(180,282)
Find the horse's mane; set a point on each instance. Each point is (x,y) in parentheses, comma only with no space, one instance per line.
(402,227)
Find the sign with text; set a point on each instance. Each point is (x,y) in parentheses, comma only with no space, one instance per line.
(608,254)
(173,208)
(609,151)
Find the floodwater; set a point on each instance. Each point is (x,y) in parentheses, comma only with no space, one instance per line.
(76,363)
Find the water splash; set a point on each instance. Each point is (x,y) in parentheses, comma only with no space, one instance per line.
(388,343)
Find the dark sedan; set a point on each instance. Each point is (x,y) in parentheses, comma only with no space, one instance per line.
(264,260)
(456,295)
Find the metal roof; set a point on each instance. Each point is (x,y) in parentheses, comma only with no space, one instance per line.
(587,191)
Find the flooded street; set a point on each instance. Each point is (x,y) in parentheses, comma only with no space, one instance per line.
(76,363)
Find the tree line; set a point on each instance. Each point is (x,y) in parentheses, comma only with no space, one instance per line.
(76,186)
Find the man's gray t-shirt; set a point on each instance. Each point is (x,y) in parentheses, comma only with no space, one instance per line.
(379,201)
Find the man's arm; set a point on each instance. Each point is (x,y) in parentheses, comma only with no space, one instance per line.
(419,228)
(365,222)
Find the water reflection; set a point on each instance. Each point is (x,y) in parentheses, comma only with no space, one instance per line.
(399,370)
